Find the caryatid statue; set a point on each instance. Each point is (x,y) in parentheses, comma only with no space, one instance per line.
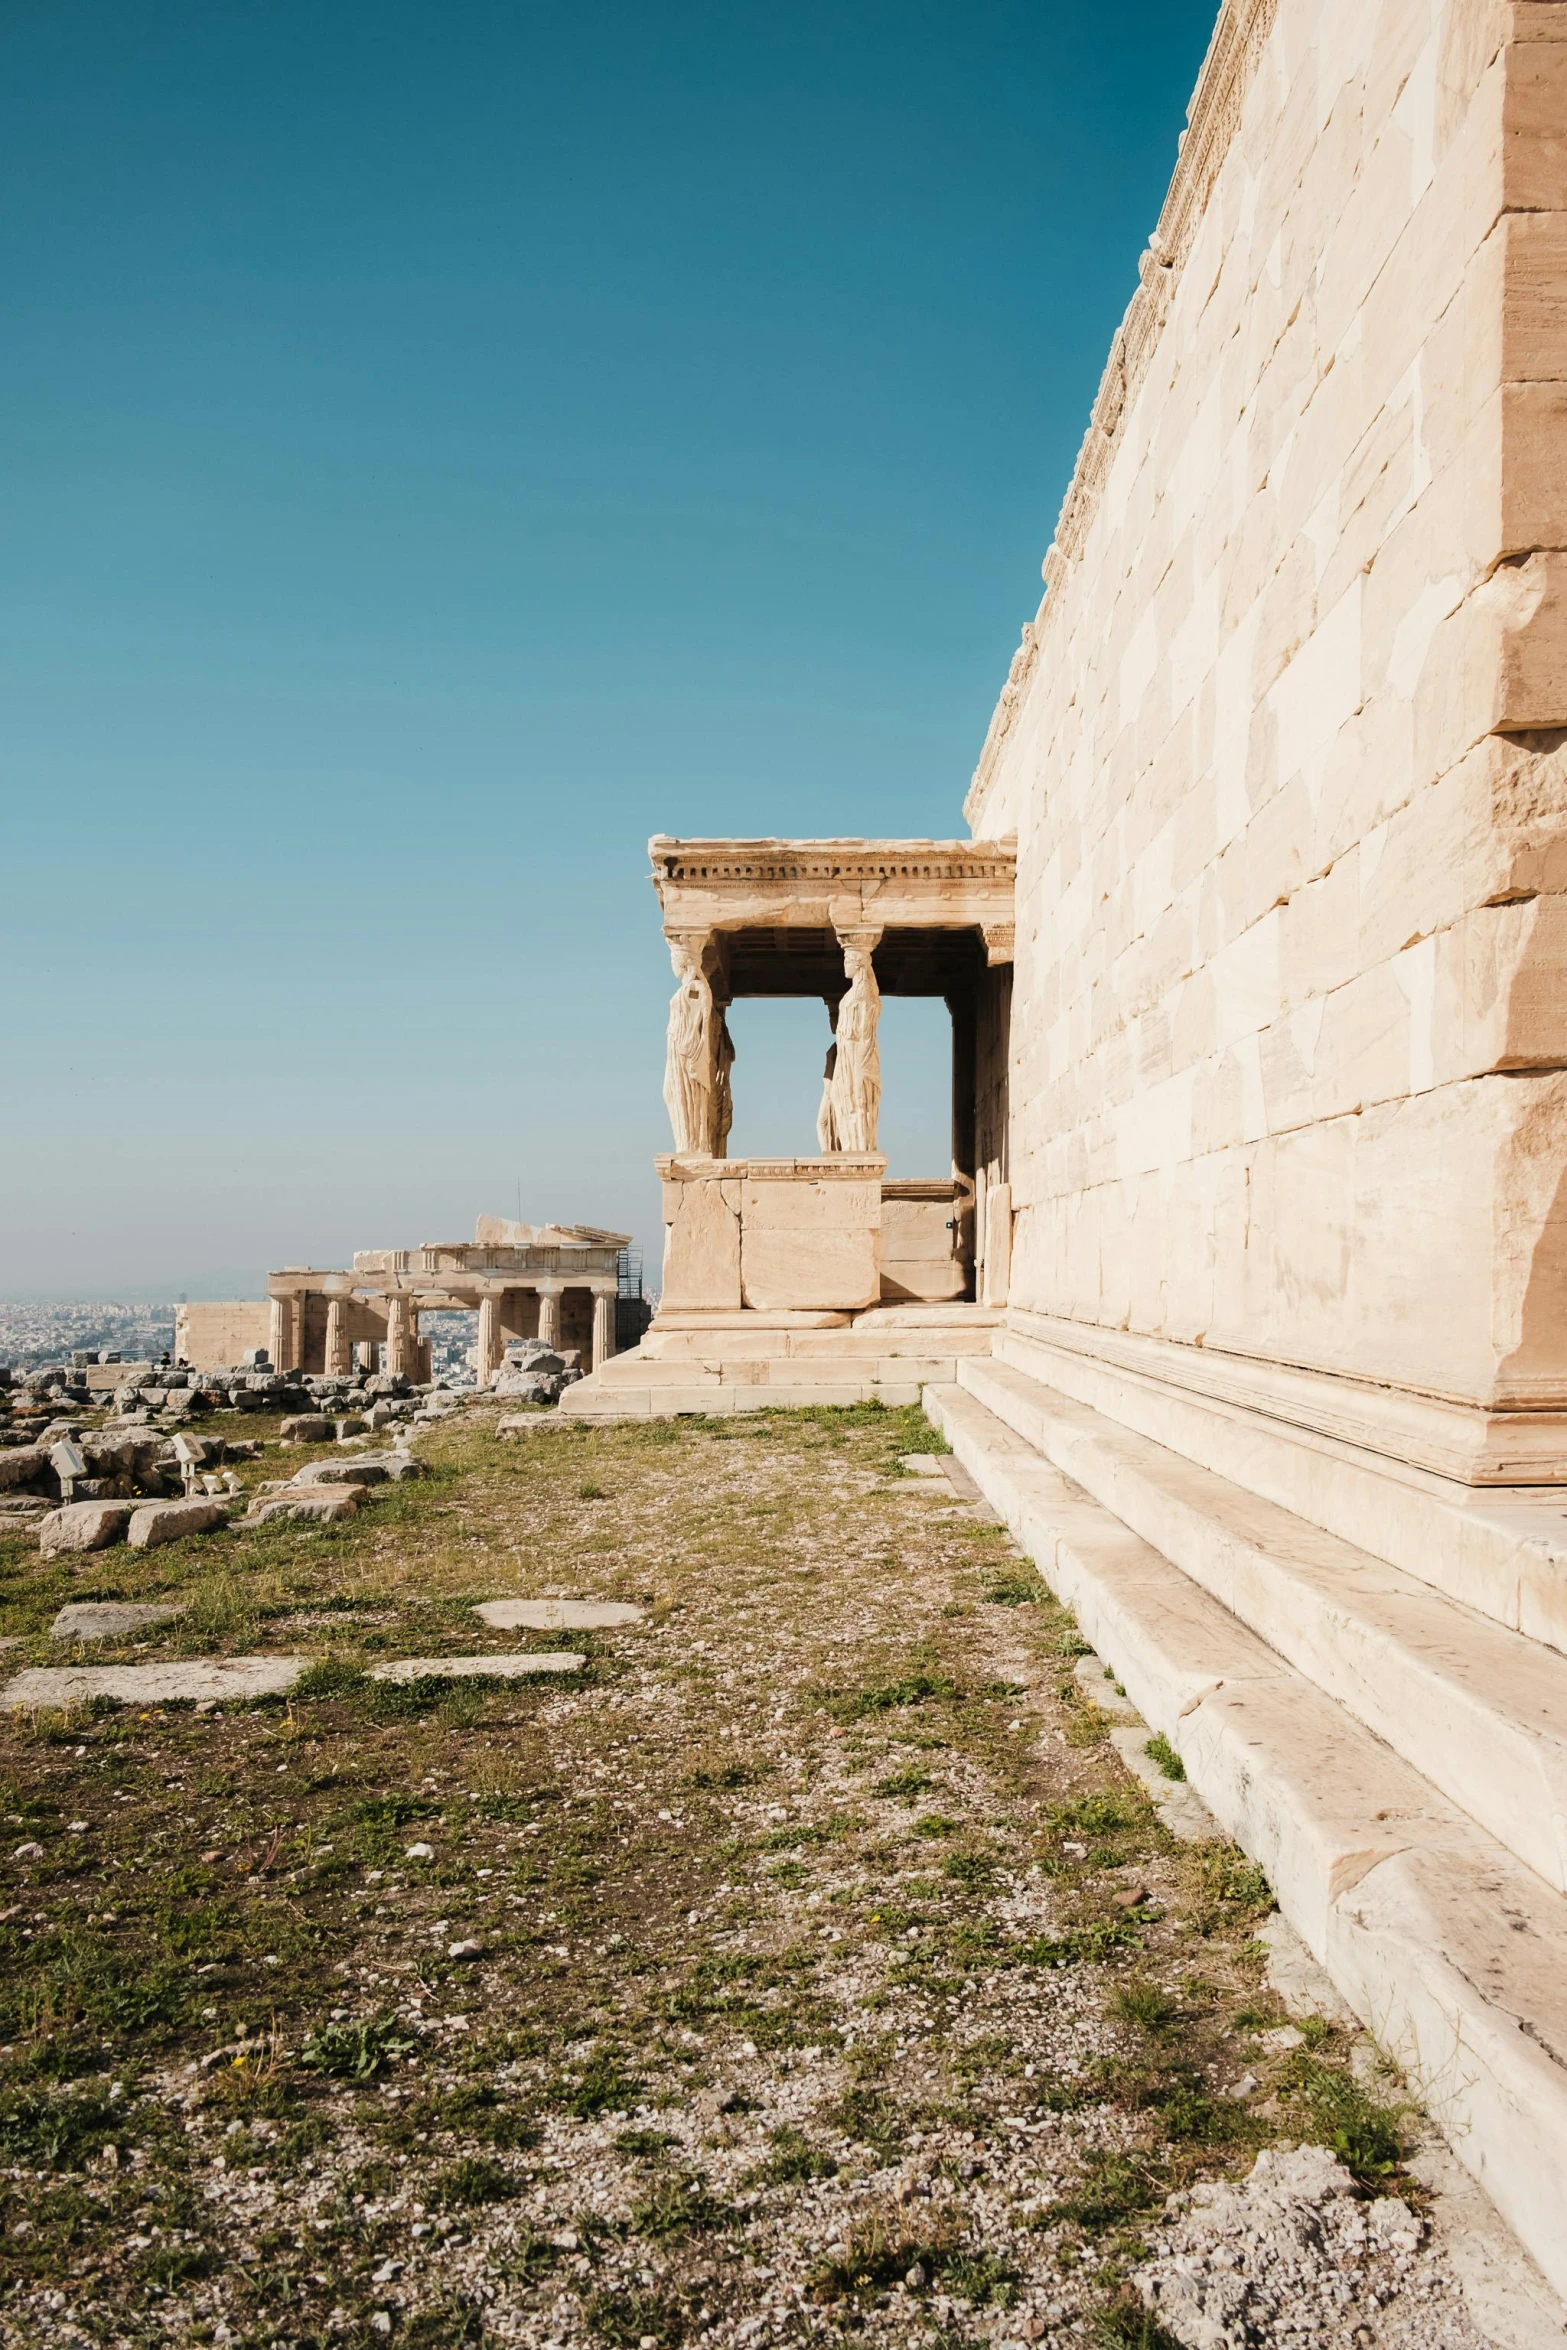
(826,1126)
(690,1065)
(723,1090)
(856,1077)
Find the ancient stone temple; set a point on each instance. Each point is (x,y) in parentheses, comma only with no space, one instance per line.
(1260,1116)
(554,1282)
(815,1277)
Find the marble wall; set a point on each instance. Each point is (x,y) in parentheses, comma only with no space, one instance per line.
(1286,747)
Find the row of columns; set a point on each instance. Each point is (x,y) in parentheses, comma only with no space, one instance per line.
(492,1338)
(405,1351)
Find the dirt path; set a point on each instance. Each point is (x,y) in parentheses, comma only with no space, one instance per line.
(811,1971)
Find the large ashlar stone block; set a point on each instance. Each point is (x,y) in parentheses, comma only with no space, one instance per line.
(810,1233)
(771,1233)
(702,1234)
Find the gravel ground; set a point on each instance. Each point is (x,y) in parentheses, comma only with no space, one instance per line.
(809,1972)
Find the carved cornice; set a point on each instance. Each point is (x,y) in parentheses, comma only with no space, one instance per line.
(740,864)
(1211,121)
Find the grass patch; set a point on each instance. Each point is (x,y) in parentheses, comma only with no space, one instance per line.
(1014,1588)
(472,2179)
(793,2159)
(356,2051)
(1366,2136)
(1158,1749)
(883,1697)
(679,2205)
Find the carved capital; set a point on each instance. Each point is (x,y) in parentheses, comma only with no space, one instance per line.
(865,940)
(998,937)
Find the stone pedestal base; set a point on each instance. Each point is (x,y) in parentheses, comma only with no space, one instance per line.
(772,1233)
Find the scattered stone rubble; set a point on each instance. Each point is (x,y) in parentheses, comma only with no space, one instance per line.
(535,1373)
(1295,2253)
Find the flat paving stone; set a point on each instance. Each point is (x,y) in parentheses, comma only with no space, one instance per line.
(108,1619)
(218,1677)
(471,1668)
(921,1464)
(556,1615)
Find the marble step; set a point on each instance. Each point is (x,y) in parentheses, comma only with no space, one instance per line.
(1479,1710)
(1449,1949)
(1499,1548)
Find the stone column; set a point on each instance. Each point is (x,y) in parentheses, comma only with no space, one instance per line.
(549,1316)
(339,1354)
(399,1336)
(282,1345)
(603,1326)
(492,1346)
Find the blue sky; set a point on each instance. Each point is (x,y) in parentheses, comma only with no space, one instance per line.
(442,445)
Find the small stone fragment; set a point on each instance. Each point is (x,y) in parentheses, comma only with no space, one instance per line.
(108,1619)
(556,1615)
(305,1428)
(327,1508)
(471,1668)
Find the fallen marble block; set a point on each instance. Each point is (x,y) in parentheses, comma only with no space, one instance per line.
(220,1678)
(305,1428)
(109,1619)
(371,1468)
(85,1525)
(21,1463)
(326,1508)
(359,1473)
(157,1522)
(473,1668)
(556,1615)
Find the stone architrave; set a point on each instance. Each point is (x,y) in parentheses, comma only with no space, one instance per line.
(690,1073)
(856,1079)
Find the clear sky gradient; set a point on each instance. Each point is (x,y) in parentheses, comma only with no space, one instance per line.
(443,444)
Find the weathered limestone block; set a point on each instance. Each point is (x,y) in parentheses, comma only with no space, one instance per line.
(83,1525)
(810,1235)
(328,1506)
(110,1619)
(305,1428)
(22,1464)
(702,1235)
(156,1522)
